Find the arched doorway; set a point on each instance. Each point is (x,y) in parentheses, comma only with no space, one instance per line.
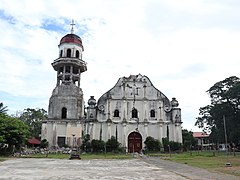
(134,142)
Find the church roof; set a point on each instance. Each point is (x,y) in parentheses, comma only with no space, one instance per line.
(33,141)
(71,38)
(200,135)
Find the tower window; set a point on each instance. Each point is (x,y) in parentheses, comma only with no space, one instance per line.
(64,113)
(75,70)
(134,113)
(152,113)
(77,54)
(60,70)
(116,113)
(67,69)
(67,78)
(61,52)
(68,52)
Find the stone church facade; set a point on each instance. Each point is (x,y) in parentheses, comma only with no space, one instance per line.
(131,111)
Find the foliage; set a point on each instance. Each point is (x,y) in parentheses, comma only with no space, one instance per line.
(86,145)
(33,118)
(44,143)
(170,145)
(3,109)
(112,145)
(12,131)
(152,144)
(188,139)
(97,145)
(225,101)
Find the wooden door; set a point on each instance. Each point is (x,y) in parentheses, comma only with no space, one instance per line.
(134,142)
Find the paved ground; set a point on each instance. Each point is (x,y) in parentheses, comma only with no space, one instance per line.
(82,169)
(135,169)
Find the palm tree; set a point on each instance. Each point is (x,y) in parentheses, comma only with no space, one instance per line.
(3,109)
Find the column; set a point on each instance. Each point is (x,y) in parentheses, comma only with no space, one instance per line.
(160,131)
(79,78)
(71,74)
(109,130)
(125,136)
(54,140)
(58,80)
(146,129)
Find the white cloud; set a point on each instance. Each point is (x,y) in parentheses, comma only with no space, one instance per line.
(184,47)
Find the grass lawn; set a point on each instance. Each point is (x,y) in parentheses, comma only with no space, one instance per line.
(208,160)
(83,156)
(3,158)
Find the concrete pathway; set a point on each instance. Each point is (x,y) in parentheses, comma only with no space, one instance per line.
(134,169)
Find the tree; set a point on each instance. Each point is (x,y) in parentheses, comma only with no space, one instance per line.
(33,118)
(188,139)
(225,101)
(13,132)
(86,145)
(3,109)
(152,144)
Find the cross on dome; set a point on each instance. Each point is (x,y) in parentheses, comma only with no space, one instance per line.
(72,24)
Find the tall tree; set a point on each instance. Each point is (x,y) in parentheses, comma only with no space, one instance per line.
(225,101)
(3,109)
(12,131)
(33,118)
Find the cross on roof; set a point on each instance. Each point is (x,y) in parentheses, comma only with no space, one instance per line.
(72,24)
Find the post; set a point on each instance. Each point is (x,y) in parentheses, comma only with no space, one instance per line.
(73,141)
(225,133)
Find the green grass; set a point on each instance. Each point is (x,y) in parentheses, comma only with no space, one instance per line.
(3,158)
(207,160)
(83,156)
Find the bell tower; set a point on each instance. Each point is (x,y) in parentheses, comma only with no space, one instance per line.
(66,105)
(66,101)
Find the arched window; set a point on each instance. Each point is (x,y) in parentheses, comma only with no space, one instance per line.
(77,54)
(68,52)
(61,52)
(152,113)
(64,113)
(116,113)
(134,113)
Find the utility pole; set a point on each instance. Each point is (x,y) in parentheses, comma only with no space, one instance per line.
(225,133)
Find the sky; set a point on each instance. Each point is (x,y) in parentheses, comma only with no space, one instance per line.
(183,46)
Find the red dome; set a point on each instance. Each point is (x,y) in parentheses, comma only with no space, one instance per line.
(71,38)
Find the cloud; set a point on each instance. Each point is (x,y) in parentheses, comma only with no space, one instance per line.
(184,47)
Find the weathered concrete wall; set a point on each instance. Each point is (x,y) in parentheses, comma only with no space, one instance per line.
(68,96)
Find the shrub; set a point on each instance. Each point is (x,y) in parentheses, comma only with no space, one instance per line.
(97,145)
(174,146)
(44,143)
(152,144)
(112,145)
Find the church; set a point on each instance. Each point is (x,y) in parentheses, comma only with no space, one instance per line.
(131,110)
